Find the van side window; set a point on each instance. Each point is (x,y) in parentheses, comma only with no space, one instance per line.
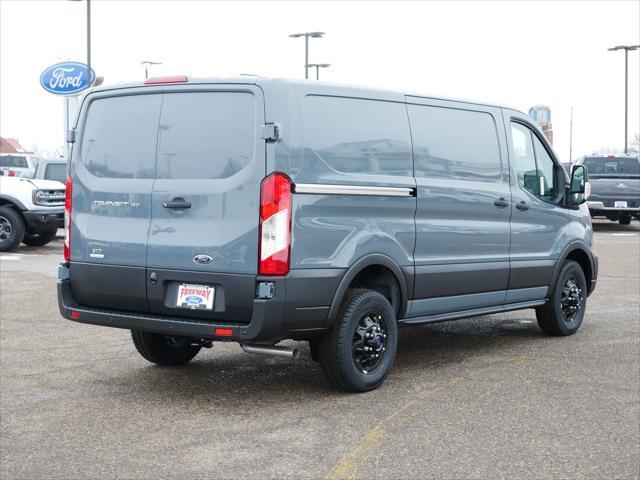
(454,143)
(533,165)
(119,136)
(353,135)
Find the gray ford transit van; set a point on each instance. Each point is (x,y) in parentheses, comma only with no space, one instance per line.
(254,210)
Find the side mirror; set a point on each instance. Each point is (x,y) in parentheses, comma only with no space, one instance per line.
(578,185)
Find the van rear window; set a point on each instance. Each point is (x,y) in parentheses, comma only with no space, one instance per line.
(119,136)
(206,134)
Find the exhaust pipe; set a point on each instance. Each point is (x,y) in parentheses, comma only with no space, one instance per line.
(273,350)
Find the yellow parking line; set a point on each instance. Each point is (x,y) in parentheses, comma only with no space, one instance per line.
(351,462)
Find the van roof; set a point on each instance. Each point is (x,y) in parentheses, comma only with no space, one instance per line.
(358,90)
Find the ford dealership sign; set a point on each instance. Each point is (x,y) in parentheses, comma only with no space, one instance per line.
(66,78)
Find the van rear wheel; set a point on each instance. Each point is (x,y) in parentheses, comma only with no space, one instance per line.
(164,349)
(358,352)
(563,313)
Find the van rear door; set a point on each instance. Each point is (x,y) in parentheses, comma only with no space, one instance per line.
(112,170)
(202,246)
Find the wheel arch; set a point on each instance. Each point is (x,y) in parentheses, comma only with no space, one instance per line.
(378,265)
(7,201)
(581,254)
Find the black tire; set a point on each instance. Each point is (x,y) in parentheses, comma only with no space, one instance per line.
(38,239)
(563,313)
(625,219)
(11,229)
(341,350)
(163,349)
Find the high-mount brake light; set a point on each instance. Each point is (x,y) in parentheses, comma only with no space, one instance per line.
(68,192)
(275,225)
(169,79)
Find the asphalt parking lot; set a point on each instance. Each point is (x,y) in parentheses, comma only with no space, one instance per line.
(489,397)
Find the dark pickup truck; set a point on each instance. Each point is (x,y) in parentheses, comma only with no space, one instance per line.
(615,186)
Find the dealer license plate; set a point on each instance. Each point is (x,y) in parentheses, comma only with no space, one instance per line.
(195,297)
(618,204)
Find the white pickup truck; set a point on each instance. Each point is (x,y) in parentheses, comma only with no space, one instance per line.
(31,211)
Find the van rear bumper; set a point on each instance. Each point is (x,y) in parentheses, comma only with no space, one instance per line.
(283,316)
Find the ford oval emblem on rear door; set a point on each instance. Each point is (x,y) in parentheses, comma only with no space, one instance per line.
(202,259)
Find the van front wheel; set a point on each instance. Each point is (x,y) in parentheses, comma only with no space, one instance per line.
(164,349)
(358,352)
(563,313)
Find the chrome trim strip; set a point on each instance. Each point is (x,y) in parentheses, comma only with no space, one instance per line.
(322,189)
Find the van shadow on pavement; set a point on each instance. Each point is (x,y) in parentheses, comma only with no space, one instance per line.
(422,351)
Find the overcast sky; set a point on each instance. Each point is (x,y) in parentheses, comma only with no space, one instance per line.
(515,53)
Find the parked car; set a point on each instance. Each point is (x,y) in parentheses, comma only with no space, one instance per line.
(254,210)
(615,186)
(18,164)
(51,170)
(31,211)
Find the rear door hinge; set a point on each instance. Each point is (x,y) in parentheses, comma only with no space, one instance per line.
(271,132)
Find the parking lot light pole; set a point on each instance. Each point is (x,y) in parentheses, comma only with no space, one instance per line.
(146,64)
(306,36)
(318,67)
(626,49)
(88,40)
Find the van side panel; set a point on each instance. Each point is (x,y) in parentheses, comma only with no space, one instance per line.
(540,234)
(351,141)
(464,205)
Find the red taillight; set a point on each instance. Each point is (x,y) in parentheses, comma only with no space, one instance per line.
(11,173)
(275,225)
(223,332)
(67,218)
(75,314)
(170,79)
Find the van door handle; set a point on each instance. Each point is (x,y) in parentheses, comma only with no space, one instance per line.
(175,204)
(501,202)
(522,206)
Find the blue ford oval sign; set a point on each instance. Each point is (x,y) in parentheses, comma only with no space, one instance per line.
(66,78)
